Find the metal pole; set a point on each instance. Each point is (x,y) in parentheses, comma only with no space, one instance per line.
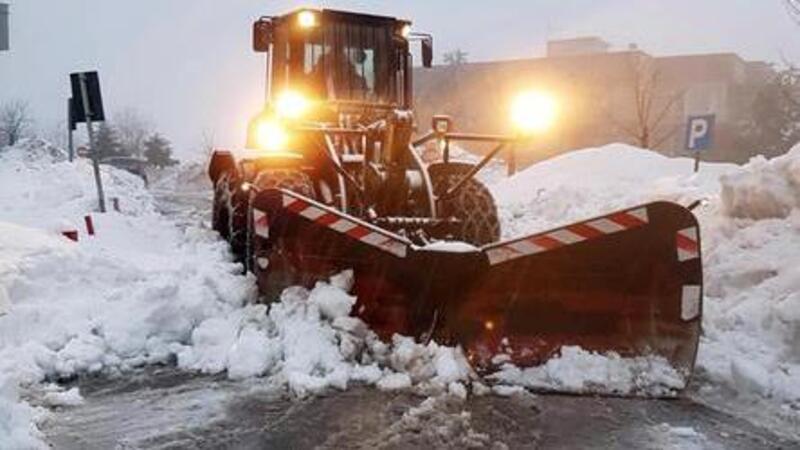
(696,161)
(93,151)
(70,142)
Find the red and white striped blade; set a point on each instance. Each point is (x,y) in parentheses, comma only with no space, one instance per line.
(629,282)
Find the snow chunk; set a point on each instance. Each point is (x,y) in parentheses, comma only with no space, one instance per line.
(394,381)
(71,397)
(763,188)
(577,370)
(332,300)
(457,389)
(669,437)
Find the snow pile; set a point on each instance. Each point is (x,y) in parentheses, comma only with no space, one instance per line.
(579,371)
(131,295)
(437,422)
(585,183)
(41,189)
(752,310)
(764,189)
(309,340)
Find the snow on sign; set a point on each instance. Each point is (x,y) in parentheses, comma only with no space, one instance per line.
(700,132)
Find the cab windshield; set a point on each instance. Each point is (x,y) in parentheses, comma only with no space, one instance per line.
(344,61)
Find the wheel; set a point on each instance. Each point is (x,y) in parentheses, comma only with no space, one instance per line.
(260,257)
(473,205)
(229,214)
(289,179)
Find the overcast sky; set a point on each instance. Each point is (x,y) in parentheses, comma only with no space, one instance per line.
(187,64)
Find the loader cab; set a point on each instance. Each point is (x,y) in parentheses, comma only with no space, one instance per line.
(340,57)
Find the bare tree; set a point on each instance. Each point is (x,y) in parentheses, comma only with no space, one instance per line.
(15,121)
(793,7)
(648,125)
(132,130)
(456,57)
(56,134)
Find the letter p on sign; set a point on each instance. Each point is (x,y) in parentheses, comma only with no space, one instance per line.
(700,132)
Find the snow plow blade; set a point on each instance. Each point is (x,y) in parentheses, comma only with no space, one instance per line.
(628,282)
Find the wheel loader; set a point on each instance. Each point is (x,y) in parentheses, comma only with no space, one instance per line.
(331,179)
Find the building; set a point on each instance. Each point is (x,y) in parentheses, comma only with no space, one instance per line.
(606,96)
(577,46)
(3,27)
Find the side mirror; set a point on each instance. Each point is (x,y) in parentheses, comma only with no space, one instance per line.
(262,35)
(427,52)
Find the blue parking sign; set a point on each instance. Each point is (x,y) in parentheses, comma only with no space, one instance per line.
(700,132)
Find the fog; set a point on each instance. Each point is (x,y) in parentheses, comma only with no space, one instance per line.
(188,67)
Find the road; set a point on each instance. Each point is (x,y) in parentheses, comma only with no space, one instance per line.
(165,408)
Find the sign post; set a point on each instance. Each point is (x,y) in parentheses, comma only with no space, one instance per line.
(71,125)
(89,108)
(700,136)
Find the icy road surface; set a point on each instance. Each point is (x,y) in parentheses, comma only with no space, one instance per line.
(165,408)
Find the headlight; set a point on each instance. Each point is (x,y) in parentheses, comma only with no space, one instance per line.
(307,19)
(291,105)
(271,135)
(534,112)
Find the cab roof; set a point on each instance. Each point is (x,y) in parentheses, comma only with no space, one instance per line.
(346,16)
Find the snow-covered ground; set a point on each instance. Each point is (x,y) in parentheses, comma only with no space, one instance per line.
(146,290)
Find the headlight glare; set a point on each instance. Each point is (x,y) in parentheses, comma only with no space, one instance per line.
(271,135)
(534,112)
(291,105)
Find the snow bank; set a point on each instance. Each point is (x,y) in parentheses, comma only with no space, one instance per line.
(752,310)
(764,188)
(131,295)
(585,183)
(41,189)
